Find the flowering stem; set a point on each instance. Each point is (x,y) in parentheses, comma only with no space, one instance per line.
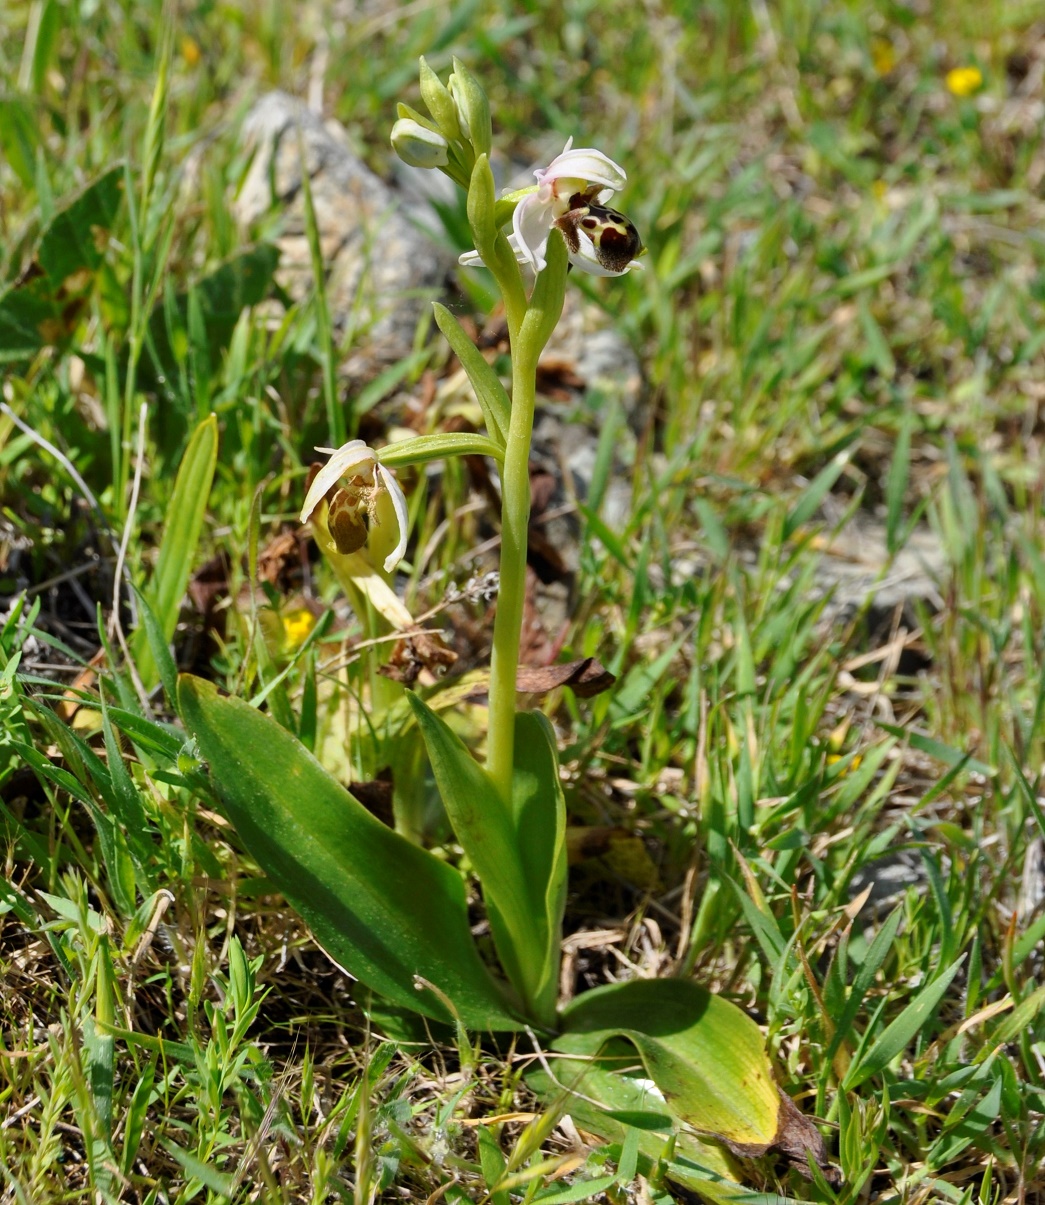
(511,594)
(528,339)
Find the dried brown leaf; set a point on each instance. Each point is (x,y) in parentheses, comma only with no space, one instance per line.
(586,678)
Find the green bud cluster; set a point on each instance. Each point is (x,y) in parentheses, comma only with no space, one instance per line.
(457,131)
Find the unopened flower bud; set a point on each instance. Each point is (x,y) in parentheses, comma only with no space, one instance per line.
(473,108)
(440,103)
(418,146)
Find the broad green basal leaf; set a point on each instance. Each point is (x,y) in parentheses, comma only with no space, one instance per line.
(484,826)
(384,908)
(517,848)
(539,815)
(705,1055)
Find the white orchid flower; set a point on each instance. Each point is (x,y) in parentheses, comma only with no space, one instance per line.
(569,175)
(357,464)
(571,193)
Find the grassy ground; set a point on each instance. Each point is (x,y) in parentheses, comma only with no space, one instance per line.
(844,310)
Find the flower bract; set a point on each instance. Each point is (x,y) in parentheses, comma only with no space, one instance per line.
(365,479)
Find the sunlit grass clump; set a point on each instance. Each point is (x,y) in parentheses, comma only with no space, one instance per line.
(799,825)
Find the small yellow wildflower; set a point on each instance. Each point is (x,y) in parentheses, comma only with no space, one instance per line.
(296,626)
(883,56)
(190,51)
(836,745)
(964,81)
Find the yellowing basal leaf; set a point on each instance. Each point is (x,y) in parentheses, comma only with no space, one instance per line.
(605,1103)
(706,1056)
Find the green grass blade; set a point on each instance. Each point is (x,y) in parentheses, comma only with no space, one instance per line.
(336,423)
(1021,1019)
(491,1160)
(814,493)
(136,1116)
(898,1033)
(208,1175)
(582,1190)
(384,384)
(939,750)
(186,512)
(896,484)
(876,954)
(159,647)
(204,317)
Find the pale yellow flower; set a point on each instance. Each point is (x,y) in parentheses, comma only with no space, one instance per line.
(964,81)
(367,478)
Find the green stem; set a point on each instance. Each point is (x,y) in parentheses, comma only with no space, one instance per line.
(528,336)
(511,593)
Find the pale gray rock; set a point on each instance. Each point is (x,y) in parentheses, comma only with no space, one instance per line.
(382,268)
(566,433)
(856,565)
(856,573)
(421,190)
(889,877)
(1032,881)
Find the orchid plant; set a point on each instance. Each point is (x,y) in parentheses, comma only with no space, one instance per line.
(394,914)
